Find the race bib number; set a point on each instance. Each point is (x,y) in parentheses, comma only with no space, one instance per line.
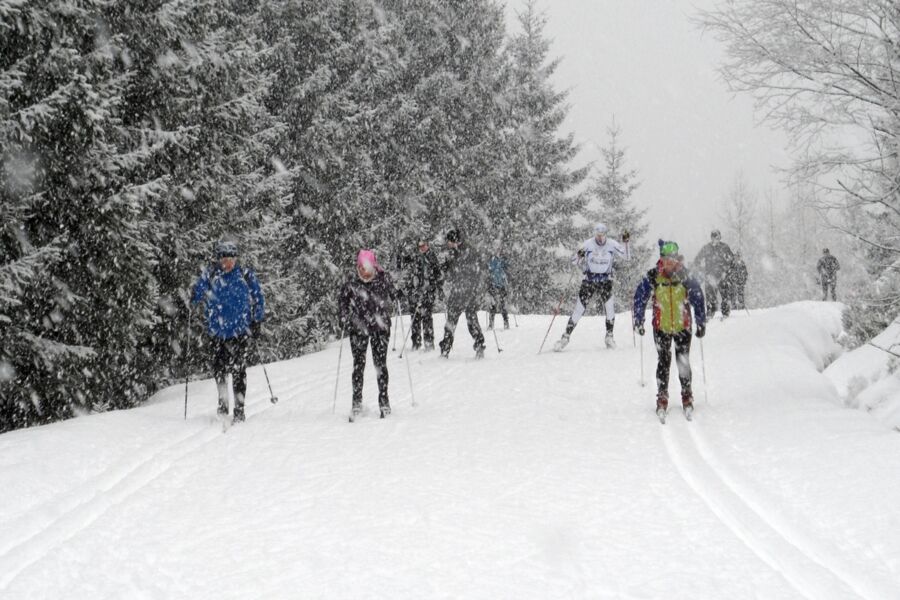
(600,263)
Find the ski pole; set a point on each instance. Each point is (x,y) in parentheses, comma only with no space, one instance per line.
(556,310)
(272,397)
(703,368)
(396,327)
(515,320)
(187,374)
(642,362)
(499,350)
(405,332)
(337,377)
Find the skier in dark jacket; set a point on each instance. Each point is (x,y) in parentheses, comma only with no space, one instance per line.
(738,282)
(714,263)
(675,292)
(234,308)
(499,280)
(425,282)
(828,267)
(365,303)
(463,278)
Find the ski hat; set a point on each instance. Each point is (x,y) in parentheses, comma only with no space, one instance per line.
(667,248)
(600,229)
(825,251)
(454,236)
(716,234)
(226,249)
(368,264)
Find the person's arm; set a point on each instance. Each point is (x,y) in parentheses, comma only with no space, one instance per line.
(697,301)
(257,300)
(201,286)
(641,296)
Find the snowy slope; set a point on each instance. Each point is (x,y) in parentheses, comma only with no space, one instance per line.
(519,476)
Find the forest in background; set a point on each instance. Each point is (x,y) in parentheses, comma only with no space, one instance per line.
(135,135)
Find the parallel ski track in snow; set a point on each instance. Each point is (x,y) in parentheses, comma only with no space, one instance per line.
(811,569)
(37,533)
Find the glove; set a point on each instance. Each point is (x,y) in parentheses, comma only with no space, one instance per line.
(626,235)
(580,253)
(256,329)
(639,329)
(701,331)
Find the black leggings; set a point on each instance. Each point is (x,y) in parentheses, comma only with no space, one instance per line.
(358,344)
(682,341)
(231,356)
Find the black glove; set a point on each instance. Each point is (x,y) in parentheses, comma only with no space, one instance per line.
(639,328)
(256,329)
(626,235)
(701,331)
(580,253)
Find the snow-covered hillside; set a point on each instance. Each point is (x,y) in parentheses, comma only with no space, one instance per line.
(519,476)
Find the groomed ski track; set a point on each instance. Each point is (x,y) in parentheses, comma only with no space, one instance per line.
(518,476)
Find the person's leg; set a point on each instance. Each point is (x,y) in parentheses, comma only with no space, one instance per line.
(683,362)
(725,291)
(474,327)
(240,347)
(379,358)
(358,345)
(492,310)
(426,312)
(503,312)
(453,312)
(709,290)
(416,327)
(585,293)
(220,371)
(608,301)
(664,353)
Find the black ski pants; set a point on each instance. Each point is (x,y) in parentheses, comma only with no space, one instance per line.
(498,304)
(715,291)
(682,342)
(423,322)
(358,344)
(231,356)
(455,308)
(829,284)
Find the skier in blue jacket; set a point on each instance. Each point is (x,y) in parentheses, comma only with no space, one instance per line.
(234,308)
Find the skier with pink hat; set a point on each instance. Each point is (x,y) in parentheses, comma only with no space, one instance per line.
(366,302)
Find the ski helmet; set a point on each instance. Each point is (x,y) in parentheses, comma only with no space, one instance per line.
(226,249)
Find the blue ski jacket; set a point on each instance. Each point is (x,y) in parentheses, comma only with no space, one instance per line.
(232,300)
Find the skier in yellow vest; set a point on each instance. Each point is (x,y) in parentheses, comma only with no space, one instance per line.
(674,292)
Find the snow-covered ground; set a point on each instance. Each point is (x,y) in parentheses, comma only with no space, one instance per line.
(519,476)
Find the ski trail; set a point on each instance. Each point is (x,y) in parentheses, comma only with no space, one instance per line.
(795,535)
(805,574)
(36,534)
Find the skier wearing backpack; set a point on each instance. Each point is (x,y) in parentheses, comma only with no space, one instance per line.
(365,304)
(675,292)
(463,276)
(234,308)
(714,263)
(425,281)
(597,258)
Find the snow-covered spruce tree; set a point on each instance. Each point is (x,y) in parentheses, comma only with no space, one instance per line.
(76,258)
(532,198)
(611,195)
(195,90)
(826,71)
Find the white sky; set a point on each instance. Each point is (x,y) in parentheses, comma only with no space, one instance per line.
(644,63)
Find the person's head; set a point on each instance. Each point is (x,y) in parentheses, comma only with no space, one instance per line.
(366,265)
(226,254)
(454,239)
(825,251)
(600,231)
(715,236)
(422,245)
(670,261)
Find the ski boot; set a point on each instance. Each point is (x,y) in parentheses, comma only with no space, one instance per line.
(562,343)
(687,403)
(479,352)
(385,411)
(662,403)
(610,341)
(355,412)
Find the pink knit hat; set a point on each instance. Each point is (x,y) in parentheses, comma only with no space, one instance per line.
(366,261)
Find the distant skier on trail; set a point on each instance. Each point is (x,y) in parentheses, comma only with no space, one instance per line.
(738,282)
(234,308)
(828,266)
(714,263)
(463,276)
(675,292)
(425,282)
(597,257)
(365,305)
(499,280)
